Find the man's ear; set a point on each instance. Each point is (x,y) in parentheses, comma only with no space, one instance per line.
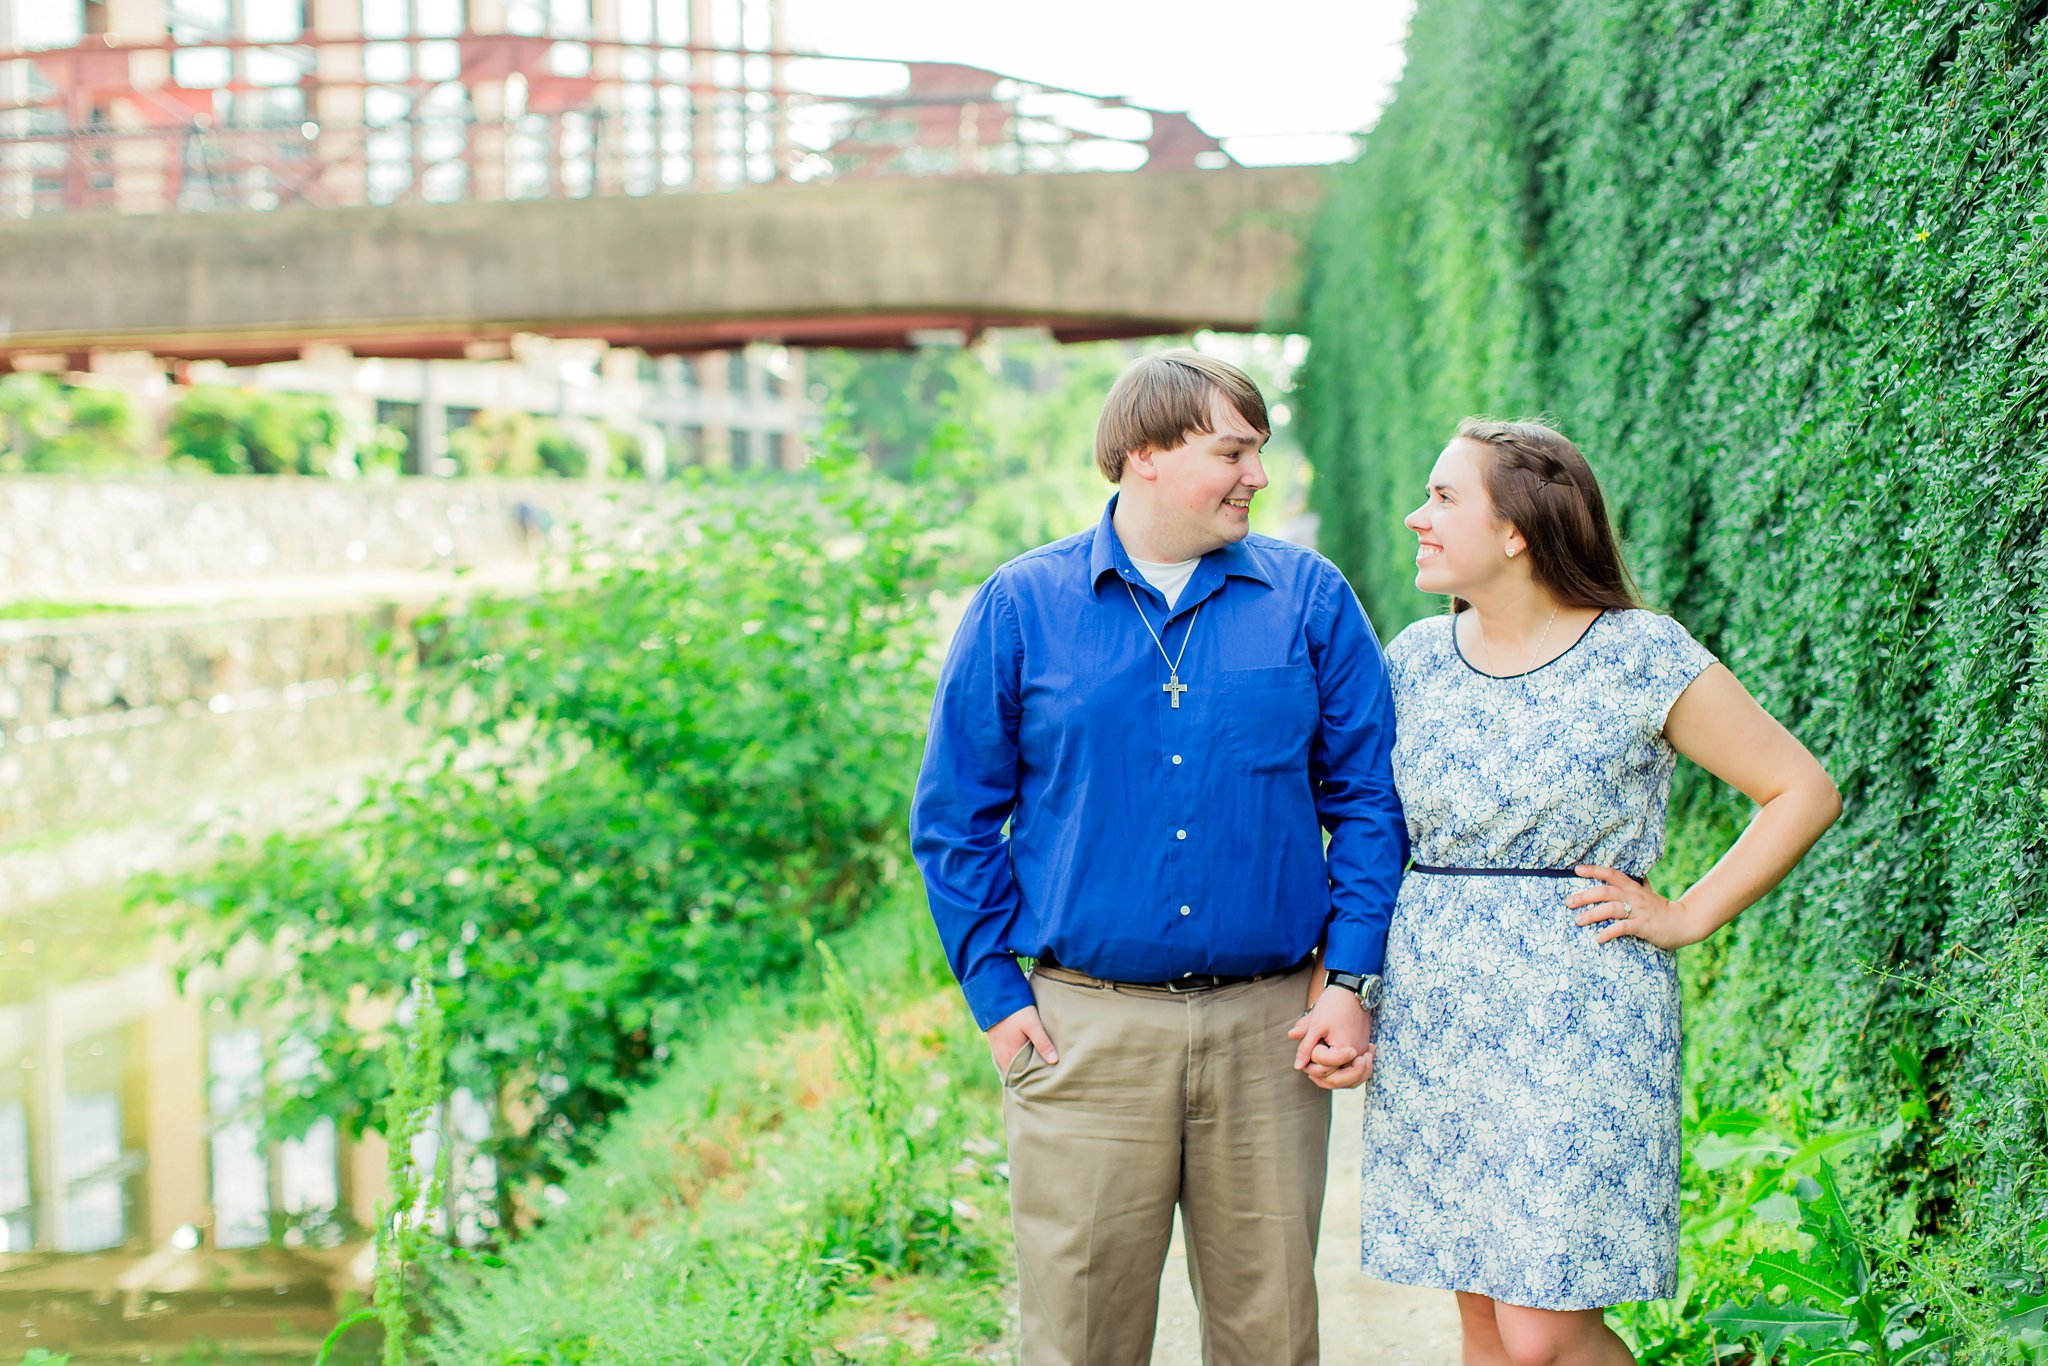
(1143,462)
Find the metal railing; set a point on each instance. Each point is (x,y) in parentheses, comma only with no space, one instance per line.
(133,129)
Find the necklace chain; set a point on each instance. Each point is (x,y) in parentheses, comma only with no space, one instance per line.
(1174,687)
(1527,664)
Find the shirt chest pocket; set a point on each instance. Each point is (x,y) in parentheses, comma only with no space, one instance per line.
(1270,716)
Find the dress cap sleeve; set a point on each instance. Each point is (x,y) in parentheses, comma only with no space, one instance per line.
(1674,659)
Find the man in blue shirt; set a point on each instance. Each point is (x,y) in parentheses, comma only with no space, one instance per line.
(1141,735)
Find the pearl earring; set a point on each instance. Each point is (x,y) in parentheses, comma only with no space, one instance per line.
(1511,552)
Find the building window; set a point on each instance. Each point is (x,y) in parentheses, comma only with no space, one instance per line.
(241,1171)
(94,1166)
(742,449)
(17,1193)
(264,1189)
(403,418)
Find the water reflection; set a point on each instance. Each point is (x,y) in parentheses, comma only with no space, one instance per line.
(126,793)
(144,1206)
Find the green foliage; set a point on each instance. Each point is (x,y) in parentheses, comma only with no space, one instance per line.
(412,1110)
(406,1245)
(381,450)
(509,442)
(51,428)
(899,401)
(1988,1279)
(648,783)
(1743,1175)
(1778,268)
(1010,422)
(500,443)
(626,452)
(814,1178)
(253,431)
(42,609)
(1822,1299)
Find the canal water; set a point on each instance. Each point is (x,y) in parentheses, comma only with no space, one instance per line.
(144,1213)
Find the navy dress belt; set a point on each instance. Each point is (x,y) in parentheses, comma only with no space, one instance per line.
(1437,871)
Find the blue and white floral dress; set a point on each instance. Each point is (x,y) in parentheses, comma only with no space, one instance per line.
(1522,1122)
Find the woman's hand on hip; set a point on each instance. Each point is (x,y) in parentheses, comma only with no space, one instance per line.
(1630,908)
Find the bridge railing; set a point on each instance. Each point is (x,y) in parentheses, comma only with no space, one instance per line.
(244,125)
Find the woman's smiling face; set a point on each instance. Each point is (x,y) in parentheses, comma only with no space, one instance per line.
(1461,542)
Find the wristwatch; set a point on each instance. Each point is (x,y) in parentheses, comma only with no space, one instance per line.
(1368,989)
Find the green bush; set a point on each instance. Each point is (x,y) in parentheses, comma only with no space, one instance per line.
(498,442)
(627,452)
(253,431)
(52,428)
(560,453)
(523,445)
(649,784)
(1779,269)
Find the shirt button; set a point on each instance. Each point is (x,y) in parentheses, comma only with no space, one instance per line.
(1187,910)
(1176,758)
(1180,834)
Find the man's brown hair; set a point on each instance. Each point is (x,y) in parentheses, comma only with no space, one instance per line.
(1539,481)
(1161,400)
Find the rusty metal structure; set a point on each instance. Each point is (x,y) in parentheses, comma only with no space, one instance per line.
(148,106)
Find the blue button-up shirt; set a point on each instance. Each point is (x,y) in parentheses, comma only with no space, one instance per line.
(1144,841)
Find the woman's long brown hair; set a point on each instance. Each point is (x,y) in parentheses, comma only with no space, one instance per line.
(1538,481)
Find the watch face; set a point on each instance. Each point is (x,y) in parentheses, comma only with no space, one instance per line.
(1369,992)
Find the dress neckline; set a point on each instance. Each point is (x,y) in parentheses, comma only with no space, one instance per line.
(1459,650)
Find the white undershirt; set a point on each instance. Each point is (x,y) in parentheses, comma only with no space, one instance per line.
(1169,579)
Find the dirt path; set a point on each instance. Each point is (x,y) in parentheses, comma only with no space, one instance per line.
(1365,1323)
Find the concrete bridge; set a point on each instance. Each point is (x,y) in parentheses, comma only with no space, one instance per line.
(1085,255)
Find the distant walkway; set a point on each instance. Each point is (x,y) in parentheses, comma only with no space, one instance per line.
(1365,1323)
(1089,255)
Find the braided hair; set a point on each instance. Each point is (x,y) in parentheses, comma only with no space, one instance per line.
(1538,481)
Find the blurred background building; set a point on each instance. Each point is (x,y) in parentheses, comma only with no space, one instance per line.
(152,105)
(198,106)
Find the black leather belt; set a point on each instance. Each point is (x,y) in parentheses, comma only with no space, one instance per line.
(1189,982)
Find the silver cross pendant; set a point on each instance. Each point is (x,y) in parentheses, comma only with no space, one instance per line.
(1173,687)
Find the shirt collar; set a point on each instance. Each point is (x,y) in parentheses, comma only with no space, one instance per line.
(1236,560)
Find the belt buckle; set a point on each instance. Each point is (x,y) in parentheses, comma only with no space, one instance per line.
(1195,981)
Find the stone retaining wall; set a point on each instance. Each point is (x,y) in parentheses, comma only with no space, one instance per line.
(73,539)
(99,665)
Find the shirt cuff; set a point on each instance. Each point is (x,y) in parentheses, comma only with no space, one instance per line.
(1355,949)
(996,991)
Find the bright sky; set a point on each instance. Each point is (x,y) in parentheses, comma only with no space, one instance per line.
(1247,73)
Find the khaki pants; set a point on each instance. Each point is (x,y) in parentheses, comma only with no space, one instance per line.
(1161,1099)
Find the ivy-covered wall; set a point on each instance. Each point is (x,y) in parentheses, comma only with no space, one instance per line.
(1781,270)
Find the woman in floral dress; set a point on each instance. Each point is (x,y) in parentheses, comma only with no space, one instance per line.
(1522,1126)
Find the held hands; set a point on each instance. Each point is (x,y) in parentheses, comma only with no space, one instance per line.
(1007,1036)
(1336,1041)
(1634,910)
